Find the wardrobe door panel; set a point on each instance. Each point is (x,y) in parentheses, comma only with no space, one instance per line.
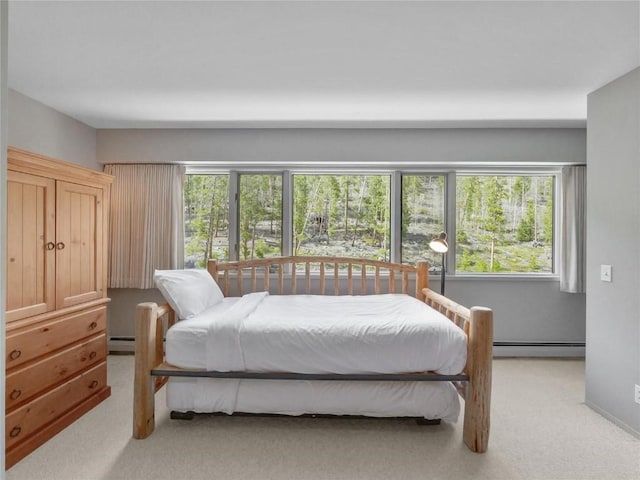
(30,245)
(79,233)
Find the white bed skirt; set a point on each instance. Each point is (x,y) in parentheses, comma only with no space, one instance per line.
(431,400)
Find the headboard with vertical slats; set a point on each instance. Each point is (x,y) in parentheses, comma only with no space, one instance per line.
(312,275)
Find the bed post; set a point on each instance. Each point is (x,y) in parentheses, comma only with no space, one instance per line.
(212,268)
(145,359)
(478,393)
(422,279)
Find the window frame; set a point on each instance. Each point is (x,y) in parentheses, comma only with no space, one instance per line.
(449,176)
(231,206)
(556,173)
(395,174)
(388,173)
(235,198)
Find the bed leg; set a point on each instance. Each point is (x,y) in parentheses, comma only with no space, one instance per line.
(145,359)
(478,394)
(428,421)
(175,415)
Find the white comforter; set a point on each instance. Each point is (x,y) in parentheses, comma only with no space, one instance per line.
(390,333)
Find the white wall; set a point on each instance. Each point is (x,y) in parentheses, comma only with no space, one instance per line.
(528,310)
(613,238)
(345,145)
(40,129)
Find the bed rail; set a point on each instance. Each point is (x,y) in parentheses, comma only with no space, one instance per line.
(314,274)
(477,323)
(474,383)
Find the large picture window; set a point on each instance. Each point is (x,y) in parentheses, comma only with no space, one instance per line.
(341,215)
(504,224)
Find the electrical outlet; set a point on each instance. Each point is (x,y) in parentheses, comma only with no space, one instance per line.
(637,394)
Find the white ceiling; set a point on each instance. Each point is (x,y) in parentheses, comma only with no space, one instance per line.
(130,64)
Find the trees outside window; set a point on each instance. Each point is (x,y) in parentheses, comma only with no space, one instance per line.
(341,215)
(206,219)
(260,212)
(504,224)
(423,217)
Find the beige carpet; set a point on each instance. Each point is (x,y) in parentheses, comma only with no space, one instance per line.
(541,429)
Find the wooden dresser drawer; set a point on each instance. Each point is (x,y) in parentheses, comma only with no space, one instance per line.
(34,415)
(33,342)
(22,383)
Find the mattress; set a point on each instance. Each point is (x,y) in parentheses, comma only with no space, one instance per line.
(390,333)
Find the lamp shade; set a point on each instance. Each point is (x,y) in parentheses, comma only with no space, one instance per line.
(439,244)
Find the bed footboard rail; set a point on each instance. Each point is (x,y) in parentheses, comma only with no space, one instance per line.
(477,324)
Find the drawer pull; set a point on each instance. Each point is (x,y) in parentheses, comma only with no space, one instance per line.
(92,355)
(15,394)
(92,325)
(15,354)
(51,246)
(15,431)
(60,245)
(93,384)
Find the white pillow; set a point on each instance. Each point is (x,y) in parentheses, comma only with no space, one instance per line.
(189,292)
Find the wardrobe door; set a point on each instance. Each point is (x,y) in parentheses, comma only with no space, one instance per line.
(79,236)
(30,245)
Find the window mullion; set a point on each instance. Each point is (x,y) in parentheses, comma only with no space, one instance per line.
(396,217)
(234,216)
(450,221)
(287,214)
(558,195)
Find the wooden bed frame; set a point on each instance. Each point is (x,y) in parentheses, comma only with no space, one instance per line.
(313,275)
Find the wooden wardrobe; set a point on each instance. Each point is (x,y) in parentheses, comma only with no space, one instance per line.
(56,343)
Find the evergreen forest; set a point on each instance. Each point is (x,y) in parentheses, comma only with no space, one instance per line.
(504,224)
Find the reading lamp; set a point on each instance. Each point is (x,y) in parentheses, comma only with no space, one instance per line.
(440,245)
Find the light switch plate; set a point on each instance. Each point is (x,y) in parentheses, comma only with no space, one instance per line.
(605,273)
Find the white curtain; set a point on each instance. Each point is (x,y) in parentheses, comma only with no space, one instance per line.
(146,229)
(573,254)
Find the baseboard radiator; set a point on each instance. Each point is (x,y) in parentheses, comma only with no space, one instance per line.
(124,345)
(538,349)
(121,345)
